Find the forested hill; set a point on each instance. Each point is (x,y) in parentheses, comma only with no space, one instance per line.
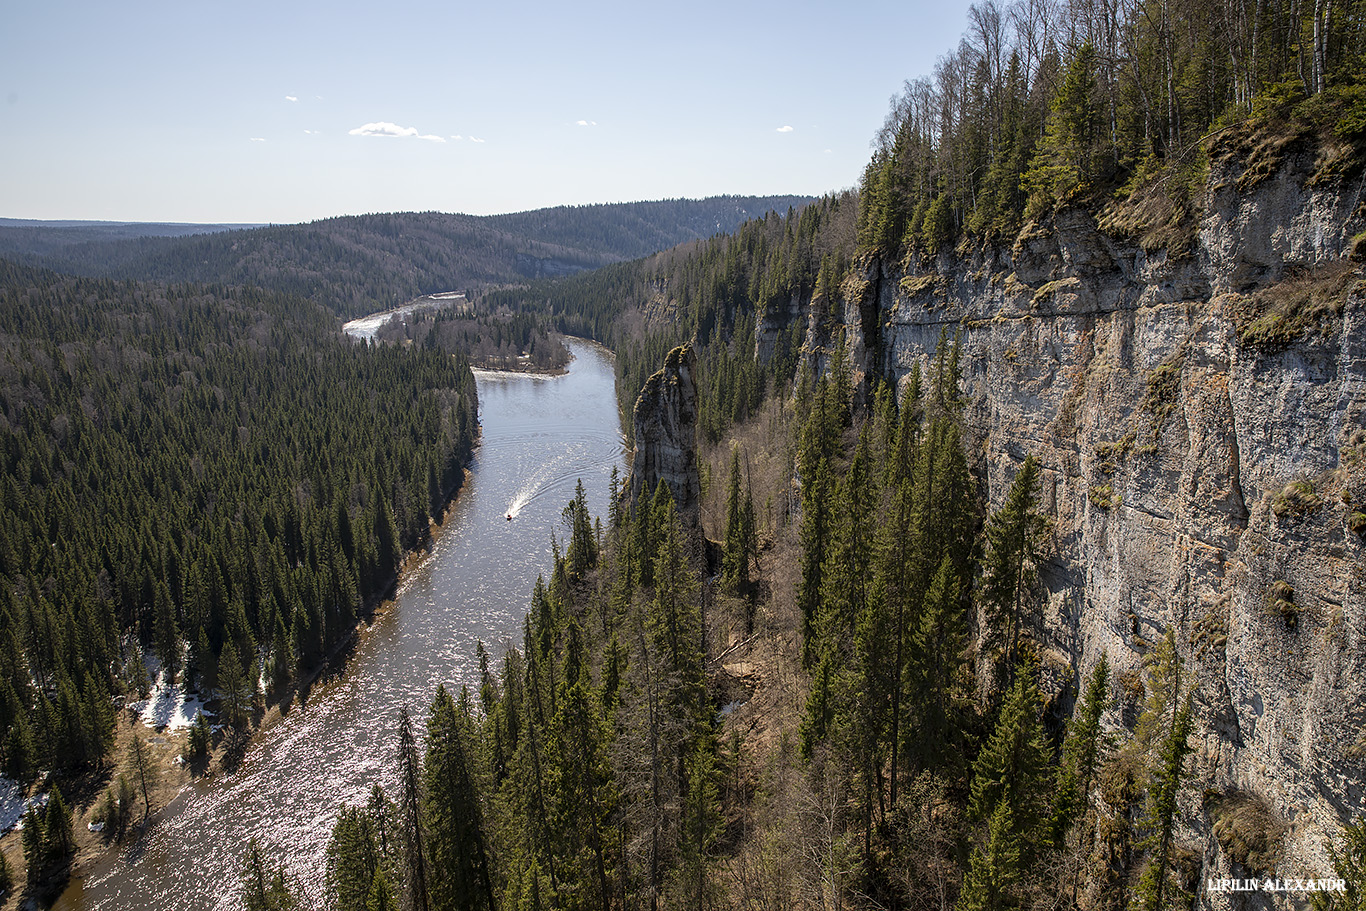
(1076,428)
(29,237)
(181,465)
(358,264)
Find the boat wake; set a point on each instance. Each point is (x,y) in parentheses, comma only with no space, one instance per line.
(551,478)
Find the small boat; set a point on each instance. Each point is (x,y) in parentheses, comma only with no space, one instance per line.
(509,517)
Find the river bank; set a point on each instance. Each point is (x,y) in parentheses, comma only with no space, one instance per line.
(322,745)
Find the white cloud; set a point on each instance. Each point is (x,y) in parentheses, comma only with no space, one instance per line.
(784,129)
(457,136)
(310,132)
(385,128)
(257,139)
(587,123)
(291,98)
(475,139)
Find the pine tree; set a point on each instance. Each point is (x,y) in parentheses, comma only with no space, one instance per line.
(144,770)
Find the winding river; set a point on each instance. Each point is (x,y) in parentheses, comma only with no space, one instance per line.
(540,435)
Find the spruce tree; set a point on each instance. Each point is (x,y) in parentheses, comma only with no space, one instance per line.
(1014,535)
(740,545)
(352,859)
(415,871)
(1166,725)
(264,888)
(995,867)
(1082,752)
(452,809)
(815,539)
(233,684)
(1012,767)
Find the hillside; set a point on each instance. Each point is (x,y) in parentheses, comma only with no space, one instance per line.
(21,237)
(359,264)
(1059,589)
(217,475)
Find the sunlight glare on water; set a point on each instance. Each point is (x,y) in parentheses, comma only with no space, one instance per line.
(540,435)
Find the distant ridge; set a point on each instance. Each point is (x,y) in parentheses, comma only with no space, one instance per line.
(361,263)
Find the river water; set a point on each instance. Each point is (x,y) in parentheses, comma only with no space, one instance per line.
(539,436)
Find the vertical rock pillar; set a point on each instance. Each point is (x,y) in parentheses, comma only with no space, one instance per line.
(665,426)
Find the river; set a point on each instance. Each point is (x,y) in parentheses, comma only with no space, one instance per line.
(539,436)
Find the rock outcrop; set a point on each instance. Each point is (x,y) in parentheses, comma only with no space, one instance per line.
(665,433)
(1201,426)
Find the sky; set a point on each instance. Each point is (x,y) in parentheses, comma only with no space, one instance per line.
(283,112)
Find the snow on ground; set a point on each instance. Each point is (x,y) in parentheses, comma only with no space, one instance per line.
(13,805)
(168,706)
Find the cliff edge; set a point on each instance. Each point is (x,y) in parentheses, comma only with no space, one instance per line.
(1200,420)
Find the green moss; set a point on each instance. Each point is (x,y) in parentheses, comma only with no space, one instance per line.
(1163,392)
(915,285)
(1103,496)
(1210,631)
(1109,456)
(1047,292)
(1297,498)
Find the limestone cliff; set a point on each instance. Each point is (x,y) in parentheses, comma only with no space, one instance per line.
(665,434)
(1201,425)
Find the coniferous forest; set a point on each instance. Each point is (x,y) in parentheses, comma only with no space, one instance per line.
(914,761)
(211,474)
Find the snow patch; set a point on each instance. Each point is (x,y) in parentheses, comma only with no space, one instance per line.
(13,805)
(169,707)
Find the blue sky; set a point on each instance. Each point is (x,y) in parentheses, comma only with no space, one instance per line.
(286,112)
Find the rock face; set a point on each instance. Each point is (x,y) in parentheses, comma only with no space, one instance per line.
(665,425)
(1203,471)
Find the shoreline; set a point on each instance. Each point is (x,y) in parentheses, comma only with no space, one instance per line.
(96,857)
(93,852)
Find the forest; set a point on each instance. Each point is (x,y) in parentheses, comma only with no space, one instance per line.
(491,340)
(906,757)
(592,767)
(913,761)
(1115,108)
(360,264)
(213,476)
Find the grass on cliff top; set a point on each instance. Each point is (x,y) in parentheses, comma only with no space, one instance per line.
(1285,120)
(1160,206)
(1307,299)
